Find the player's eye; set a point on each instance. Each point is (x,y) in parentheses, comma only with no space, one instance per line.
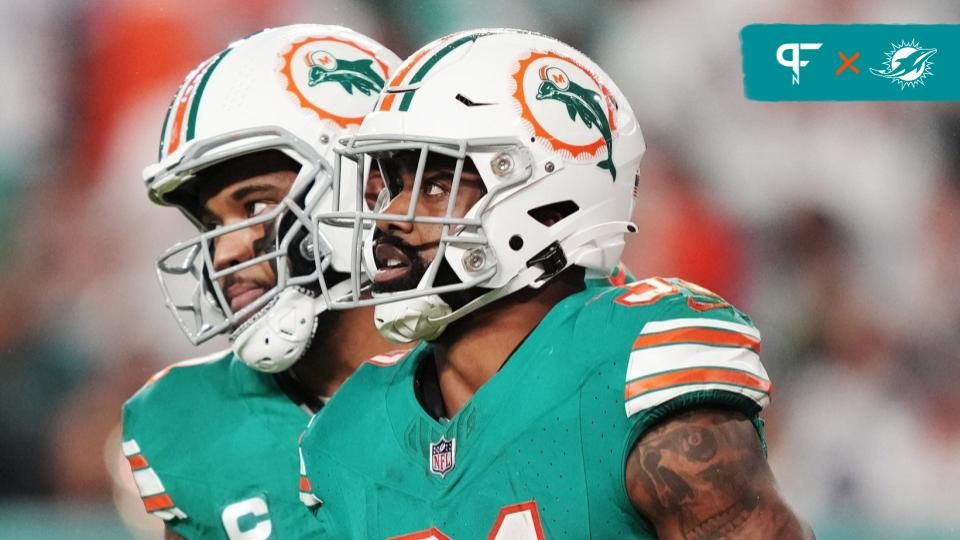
(433,189)
(375,188)
(258,207)
(436,184)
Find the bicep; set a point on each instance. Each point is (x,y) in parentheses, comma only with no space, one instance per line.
(703,474)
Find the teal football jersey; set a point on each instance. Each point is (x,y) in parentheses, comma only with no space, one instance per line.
(213,448)
(540,450)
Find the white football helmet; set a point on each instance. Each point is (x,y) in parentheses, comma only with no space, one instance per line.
(297,89)
(545,128)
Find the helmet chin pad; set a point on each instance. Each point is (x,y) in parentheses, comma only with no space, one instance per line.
(413,319)
(280,333)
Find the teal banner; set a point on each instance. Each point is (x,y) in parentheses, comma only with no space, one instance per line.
(860,62)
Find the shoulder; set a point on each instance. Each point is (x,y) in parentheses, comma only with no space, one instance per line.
(667,338)
(158,422)
(203,370)
(353,427)
(352,409)
(376,373)
(659,298)
(178,386)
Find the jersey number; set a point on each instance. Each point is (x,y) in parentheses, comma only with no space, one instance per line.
(652,290)
(514,522)
(247,520)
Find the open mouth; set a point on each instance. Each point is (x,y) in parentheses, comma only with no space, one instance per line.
(392,263)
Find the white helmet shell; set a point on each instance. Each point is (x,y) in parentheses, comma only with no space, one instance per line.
(544,125)
(297,89)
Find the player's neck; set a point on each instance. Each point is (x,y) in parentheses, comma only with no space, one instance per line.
(344,340)
(472,350)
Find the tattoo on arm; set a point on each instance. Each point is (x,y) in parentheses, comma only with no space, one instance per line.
(702,474)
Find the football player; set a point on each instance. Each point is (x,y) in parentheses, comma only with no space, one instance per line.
(539,407)
(245,154)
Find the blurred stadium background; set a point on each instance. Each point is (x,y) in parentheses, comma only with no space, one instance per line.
(836,225)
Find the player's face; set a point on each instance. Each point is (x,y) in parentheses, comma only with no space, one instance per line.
(237,201)
(403,250)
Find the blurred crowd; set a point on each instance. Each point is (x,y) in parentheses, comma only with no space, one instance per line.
(835,225)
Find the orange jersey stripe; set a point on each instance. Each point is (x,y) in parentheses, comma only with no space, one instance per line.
(305,485)
(157,502)
(695,376)
(432,532)
(137,462)
(707,336)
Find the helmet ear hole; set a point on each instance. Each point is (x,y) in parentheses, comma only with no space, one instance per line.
(553,213)
(516,242)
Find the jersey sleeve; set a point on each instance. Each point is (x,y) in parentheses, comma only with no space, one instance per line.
(162,494)
(156,499)
(685,346)
(326,488)
(307,496)
(687,360)
(155,443)
(669,346)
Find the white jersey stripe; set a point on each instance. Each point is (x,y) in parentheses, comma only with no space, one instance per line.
(653,327)
(130,448)
(170,513)
(309,499)
(148,482)
(647,362)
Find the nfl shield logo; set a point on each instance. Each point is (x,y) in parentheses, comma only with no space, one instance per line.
(442,456)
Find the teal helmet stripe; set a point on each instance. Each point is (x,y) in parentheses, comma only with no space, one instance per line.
(178,106)
(432,61)
(187,91)
(163,130)
(198,95)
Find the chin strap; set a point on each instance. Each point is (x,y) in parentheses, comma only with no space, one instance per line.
(426,317)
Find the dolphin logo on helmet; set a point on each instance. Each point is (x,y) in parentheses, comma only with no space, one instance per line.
(580,102)
(350,74)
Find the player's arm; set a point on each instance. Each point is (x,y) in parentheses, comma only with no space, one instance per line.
(702,474)
(169,534)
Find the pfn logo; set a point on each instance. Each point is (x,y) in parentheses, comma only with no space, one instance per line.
(794,62)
